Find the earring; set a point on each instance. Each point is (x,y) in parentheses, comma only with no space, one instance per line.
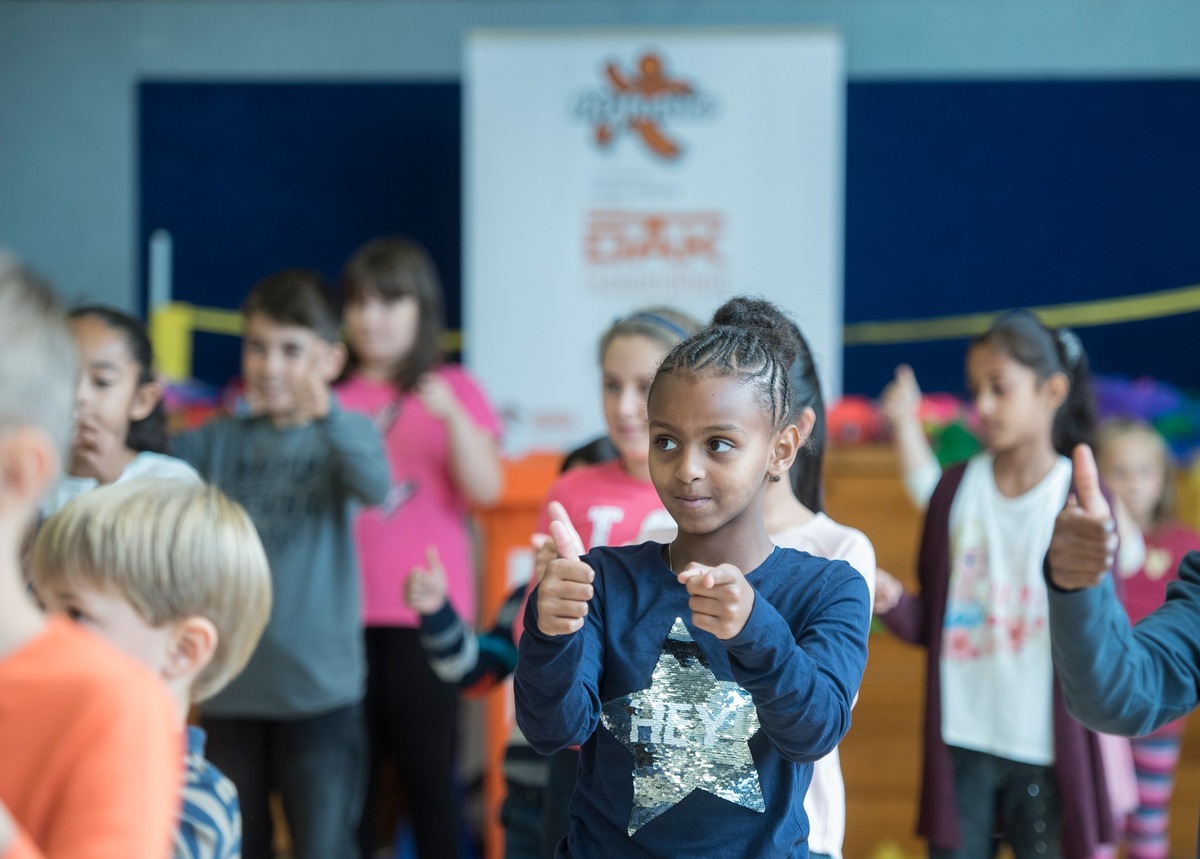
(775,478)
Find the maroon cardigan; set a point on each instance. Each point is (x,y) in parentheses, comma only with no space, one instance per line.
(1087,819)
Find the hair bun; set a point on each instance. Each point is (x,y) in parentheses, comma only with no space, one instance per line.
(765,318)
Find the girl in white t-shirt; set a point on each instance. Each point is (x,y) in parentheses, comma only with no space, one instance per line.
(1001,753)
(795,519)
(120,424)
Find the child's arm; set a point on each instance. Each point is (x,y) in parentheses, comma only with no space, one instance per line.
(476,663)
(358,451)
(918,466)
(803,689)
(474,457)
(556,685)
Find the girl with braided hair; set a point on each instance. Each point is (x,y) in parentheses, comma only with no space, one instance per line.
(702,676)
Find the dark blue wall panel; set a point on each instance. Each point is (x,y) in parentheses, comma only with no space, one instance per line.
(960,197)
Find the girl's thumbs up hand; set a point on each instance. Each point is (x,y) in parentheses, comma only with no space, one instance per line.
(1084,543)
(566,586)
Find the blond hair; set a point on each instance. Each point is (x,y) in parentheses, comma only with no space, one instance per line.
(1111,430)
(173,550)
(38,366)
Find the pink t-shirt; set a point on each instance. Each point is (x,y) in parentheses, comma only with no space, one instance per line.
(608,507)
(424,507)
(1146,589)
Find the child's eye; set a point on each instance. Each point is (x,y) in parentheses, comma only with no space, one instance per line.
(665,443)
(76,614)
(720,445)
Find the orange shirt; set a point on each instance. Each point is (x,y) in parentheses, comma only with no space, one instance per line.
(89,750)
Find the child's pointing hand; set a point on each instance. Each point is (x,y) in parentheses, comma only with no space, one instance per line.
(721,598)
(566,587)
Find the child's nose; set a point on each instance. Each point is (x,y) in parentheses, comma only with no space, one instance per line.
(631,402)
(690,466)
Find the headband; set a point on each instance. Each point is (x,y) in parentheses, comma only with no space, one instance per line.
(661,322)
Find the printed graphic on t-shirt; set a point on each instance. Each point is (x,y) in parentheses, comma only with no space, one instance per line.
(602,518)
(985,617)
(687,731)
(1158,563)
(400,494)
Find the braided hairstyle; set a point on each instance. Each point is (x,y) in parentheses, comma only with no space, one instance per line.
(806,471)
(1024,338)
(742,347)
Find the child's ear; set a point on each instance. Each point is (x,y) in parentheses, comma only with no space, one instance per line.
(335,361)
(1058,386)
(146,397)
(805,424)
(783,452)
(29,464)
(193,643)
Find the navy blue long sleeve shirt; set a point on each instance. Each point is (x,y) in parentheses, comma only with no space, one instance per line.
(694,746)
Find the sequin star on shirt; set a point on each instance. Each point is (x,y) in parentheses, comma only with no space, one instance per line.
(687,731)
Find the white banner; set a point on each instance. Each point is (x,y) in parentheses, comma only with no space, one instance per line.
(610,171)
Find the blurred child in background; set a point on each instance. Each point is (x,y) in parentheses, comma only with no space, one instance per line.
(301,466)
(440,434)
(1135,463)
(120,424)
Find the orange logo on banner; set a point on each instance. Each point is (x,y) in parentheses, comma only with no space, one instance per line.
(643,103)
(624,237)
(650,82)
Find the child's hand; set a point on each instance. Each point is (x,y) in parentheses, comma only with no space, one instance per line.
(888,591)
(438,397)
(544,546)
(1084,541)
(425,587)
(566,586)
(901,399)
(97,451)
(721,598)
(310,394)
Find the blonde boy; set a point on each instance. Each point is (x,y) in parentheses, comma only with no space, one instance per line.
(175,576)
(89,755)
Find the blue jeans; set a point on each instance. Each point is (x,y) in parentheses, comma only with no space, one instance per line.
(319,766)
(998,799)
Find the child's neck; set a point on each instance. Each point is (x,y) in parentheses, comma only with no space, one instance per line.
(378,372)
(80,468)
(783,509)
(1018,470)
(20,618)
(743,542)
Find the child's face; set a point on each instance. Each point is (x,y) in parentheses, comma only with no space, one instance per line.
(1013,408)
(1132,465)
(382,331)
(279,362)
(108,393)
(712,448)
(627,370)
(110,616)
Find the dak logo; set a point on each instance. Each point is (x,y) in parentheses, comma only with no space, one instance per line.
(644,103)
